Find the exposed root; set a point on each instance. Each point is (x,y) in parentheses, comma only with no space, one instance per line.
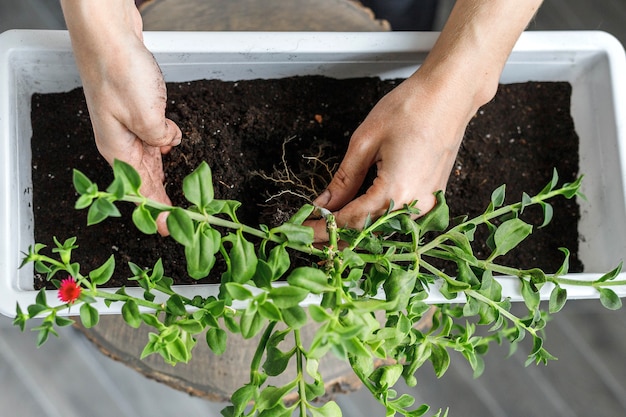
(310,179)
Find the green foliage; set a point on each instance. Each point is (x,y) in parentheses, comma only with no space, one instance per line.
(372,291)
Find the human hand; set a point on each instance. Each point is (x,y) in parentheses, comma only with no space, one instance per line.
(412,135)
(126,96)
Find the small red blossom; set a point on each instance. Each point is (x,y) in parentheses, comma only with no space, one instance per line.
(69,291)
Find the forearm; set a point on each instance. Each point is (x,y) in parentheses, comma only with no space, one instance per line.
(100,31)
(475,44)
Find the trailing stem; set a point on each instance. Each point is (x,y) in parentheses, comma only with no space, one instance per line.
(370,287)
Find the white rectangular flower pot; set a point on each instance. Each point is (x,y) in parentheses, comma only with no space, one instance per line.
(593,62)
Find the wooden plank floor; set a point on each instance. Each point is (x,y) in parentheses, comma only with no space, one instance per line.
(68,377)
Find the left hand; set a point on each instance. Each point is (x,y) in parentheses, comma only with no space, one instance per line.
(412,135)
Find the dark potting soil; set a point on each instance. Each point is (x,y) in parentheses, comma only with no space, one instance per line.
(255,134)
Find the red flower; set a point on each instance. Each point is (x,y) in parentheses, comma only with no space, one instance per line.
(69,290)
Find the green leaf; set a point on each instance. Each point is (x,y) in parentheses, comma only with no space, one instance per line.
(117,189)
(279,410)
(573,189)
(295,233)
(238,291)
(610,299)
(438,218)
(178,350)
(548,212)
(398,289)
(314,390)
(312,279)
(386,376)
(190,325)
(286,297)
(42,336)
(278,261)
(131,314)
(537,277)
(82,184)
(530,295)
(270,396)
(526,201)
(242,397)
(143,220)
(553,182)
(270,311)
(228,207)
(128,175)
(83,201)
(564,269)
(216,339)
(558,297)
(243,259)
(294,317)
(402,402)
(40,299)
(611,275)
(303,213)
(490,287)
(89,315)
(497,196)
(151,320)
(35,309)
(103,274)
(440,359)
(509,235)
(330,409)
(63,321)
(200,255)
(251,323)
(175,305)
(466,274)
(276,361)
(318,313)
(100,210)
(180,226)
(198,186)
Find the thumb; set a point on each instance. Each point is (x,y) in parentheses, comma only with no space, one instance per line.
(348,178)
(169,135)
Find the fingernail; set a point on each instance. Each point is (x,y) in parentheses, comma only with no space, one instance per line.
(323,199)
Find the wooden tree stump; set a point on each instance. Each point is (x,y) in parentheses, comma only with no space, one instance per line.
(255,15)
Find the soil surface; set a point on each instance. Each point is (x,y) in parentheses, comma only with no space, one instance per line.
(250,131)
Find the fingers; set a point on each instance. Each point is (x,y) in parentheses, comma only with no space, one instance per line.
(159,134)
(354,214)
(151,172)
(349,176)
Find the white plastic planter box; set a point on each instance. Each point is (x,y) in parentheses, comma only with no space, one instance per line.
(593,62)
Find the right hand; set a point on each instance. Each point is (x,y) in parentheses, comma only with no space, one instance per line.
(126,97)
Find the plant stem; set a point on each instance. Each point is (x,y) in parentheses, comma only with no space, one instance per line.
(258,354)
(485,217)
(299,370)
(121,297)
(217,221)
(582,283)
(503,311)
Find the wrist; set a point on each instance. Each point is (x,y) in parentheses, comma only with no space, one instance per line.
(99,30)
(475,44)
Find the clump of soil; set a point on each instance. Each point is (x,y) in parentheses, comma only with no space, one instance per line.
(297,129)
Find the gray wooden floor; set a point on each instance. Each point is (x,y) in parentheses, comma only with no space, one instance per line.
(68,377)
